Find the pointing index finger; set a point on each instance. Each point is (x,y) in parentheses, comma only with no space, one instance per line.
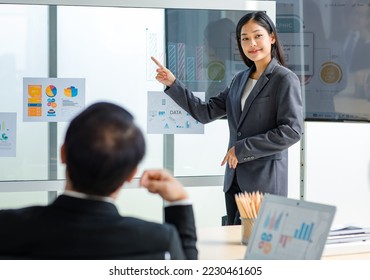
(157,62)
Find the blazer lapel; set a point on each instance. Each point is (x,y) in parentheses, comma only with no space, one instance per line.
(261,83)
(238,96)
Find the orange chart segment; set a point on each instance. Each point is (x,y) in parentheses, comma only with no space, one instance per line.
(51,91)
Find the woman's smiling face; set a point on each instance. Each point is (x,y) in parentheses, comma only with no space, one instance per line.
(256,42)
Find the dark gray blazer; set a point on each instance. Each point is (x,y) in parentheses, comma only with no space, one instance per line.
(269,124)
(75,228)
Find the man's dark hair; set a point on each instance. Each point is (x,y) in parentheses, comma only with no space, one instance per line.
(103,146)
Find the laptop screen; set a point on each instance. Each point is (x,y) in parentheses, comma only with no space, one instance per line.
(290,229)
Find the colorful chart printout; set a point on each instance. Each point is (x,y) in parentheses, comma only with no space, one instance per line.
(8,125)
(166,117)
(52,99)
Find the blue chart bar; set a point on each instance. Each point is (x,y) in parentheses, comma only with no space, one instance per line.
(172,62)
(304,232)
(181,61)
(190,65)
(184,67)
(199,62)
(309,231)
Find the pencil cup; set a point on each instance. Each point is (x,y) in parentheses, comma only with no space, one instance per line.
(247,227)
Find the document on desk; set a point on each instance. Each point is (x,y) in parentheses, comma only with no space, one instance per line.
(348,234)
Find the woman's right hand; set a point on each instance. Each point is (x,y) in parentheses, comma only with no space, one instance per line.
(164,75)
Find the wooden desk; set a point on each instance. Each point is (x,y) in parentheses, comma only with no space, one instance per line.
(224,243)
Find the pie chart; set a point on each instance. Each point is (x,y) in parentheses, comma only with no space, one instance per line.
(51,91)
(71,91)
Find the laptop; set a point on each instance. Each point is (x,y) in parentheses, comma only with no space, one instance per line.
(289,229)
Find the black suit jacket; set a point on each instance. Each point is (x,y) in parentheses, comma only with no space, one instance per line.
(74,228)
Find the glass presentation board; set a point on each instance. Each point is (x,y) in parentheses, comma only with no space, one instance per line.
(109,44)
(201,48)
(327,44)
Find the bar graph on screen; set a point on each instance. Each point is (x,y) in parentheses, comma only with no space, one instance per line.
(290,229)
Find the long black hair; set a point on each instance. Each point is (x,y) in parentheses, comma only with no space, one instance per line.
(262,19)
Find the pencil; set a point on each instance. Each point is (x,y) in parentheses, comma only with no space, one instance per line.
(242,212)
(249,204)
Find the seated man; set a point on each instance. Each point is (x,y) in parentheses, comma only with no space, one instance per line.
(102,150)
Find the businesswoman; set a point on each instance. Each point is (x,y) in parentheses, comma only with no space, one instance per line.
(263,105)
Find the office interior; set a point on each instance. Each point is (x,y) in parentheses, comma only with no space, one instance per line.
(109,43)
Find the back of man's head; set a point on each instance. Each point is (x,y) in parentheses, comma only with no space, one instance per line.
(102,148)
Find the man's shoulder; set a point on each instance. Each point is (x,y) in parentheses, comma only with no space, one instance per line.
(21,213)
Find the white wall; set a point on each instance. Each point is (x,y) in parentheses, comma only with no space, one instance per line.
(338,169)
